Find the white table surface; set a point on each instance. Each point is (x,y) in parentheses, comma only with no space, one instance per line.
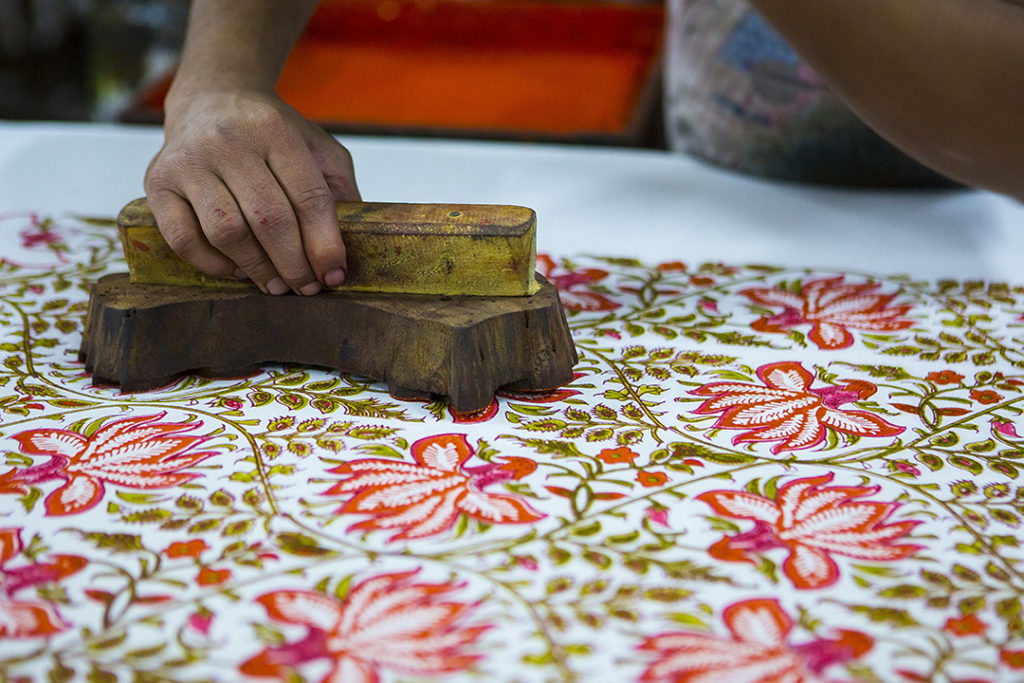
(652,205)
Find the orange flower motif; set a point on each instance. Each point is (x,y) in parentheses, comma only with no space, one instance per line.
(574,286)
(616,456)
(969,625)
(135,452)
(945,377)
(193,548)
(1012,658)
(651,479)
(426,498)
(491,411)
(672,267)
(30,618)
(832,308)
(812,522)
(385,622)
(985,397)
(212,577)
(756,650)
(787,410)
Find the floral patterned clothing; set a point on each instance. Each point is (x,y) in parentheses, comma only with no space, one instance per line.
(738,95)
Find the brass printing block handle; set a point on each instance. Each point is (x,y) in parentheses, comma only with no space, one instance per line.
(444,249)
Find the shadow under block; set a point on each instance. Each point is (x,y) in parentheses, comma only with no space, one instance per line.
(142,336)
(453,249)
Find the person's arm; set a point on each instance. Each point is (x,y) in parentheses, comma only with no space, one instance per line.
(941,79)
(244,186)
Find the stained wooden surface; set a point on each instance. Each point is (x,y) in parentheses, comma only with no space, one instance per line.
(142,336)
(448,249)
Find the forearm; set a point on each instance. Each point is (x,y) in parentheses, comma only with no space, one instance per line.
(940,79)
(238,45)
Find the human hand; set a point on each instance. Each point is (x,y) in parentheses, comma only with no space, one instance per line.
(244,186)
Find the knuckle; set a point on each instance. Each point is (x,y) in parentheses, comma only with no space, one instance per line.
(313,199)
(181,243)
(272,220)
(225,230)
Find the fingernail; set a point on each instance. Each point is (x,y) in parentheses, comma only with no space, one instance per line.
(335,277)
(310,289)
(277,286)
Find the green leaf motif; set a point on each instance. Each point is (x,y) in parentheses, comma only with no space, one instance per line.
(302,545)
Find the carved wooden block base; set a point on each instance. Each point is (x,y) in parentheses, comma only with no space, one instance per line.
(142,336)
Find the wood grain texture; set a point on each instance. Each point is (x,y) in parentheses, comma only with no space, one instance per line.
(448,249)
(142,336)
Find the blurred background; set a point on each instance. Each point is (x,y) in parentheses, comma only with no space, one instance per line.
(585,71)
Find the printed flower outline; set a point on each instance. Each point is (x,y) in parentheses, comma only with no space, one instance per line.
(832,308)
(813,522)
(42,247)
(385,622)
(135,452)
(30,618)
(573,286)
(787,410)
(756,651)
(426,498)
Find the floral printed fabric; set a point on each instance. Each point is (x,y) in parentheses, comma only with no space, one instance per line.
(757,474)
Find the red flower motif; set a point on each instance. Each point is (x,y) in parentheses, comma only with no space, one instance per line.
(574,286)
(615,456)
(30,618)
(193,548)
(832,308)
(135,452)
(755,651)
(651,479)
(425,498)
(787,410)
(969,625)
(385,622)
(945,377)
(986,397)
(813,522)
(672,267)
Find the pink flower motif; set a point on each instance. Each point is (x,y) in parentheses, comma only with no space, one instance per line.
(657,515)
(135,452)
(787,410)
(574,286)
(30,618)
(906,468)
(708,305)
(385,622)
(1005,428)
(200,622)
(426,498)
(756,650)
(812,522)
(527,562)
(832,308)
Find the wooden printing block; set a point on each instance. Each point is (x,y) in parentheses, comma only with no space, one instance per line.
(490,326)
